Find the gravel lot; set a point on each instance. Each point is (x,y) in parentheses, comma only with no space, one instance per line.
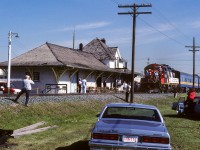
(7,100)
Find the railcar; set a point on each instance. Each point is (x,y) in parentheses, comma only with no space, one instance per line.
(158,78)
(186,81)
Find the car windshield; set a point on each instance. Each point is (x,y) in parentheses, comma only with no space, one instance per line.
(131,113)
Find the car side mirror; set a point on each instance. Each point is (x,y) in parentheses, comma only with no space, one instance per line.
(97,115)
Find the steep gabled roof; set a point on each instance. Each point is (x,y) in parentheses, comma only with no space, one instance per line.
(77,58)
(54,55)
(99,49)
(39,56)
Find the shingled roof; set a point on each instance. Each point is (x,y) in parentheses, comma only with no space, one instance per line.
(54,55)
(37,57)
(77,58)
(100,50)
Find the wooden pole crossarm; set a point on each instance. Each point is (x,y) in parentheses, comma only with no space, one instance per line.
(135,5)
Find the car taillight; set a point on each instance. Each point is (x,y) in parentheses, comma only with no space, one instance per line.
(105,136)
(160,140)
(12,90)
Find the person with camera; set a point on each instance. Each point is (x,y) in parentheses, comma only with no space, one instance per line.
(26,89)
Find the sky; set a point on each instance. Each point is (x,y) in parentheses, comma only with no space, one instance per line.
(161,36)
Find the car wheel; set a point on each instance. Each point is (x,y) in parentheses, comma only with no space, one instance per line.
(178,111)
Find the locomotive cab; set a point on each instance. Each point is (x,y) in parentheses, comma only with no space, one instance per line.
(158,78)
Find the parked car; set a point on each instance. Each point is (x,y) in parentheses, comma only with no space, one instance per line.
(129,126)
(4,88)
(182,109)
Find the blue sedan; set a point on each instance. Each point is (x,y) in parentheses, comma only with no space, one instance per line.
(129,126)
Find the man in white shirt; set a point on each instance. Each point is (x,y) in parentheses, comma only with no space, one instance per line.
(26,89)
(84,84)
(128,88)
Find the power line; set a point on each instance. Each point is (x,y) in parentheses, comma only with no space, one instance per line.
(169,22)
(163,33)
(114,2)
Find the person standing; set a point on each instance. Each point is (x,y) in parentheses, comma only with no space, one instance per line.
(104,84)
(79,85)
(128,87)
(190,99)
(124,86)
(84,84)
(175,92)
(26,89)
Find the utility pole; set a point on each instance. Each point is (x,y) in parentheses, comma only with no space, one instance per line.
(193,51)
(133,13)
(10,34)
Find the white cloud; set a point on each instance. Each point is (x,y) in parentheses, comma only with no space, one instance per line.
(155,29)
(164,27)
(155,33)
(195,24)
(86,26)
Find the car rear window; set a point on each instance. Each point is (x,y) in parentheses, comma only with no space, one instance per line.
(131,113)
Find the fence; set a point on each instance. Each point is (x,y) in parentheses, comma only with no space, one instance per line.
(55,89)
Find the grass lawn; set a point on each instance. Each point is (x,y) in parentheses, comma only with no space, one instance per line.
(76,119)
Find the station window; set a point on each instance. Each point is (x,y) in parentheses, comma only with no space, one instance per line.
(35,77)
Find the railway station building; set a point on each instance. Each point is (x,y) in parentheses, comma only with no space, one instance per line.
(57,69)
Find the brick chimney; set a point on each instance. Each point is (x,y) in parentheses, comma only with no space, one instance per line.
(103,40)
(81,46)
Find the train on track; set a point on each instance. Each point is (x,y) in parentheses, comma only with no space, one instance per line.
(161,78)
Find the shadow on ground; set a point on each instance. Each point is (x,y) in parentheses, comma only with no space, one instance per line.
(11,99)
(195,117)
(119,98)
(80,145)
(171,116)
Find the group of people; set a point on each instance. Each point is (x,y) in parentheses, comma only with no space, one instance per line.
(153,74)
(82,85)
